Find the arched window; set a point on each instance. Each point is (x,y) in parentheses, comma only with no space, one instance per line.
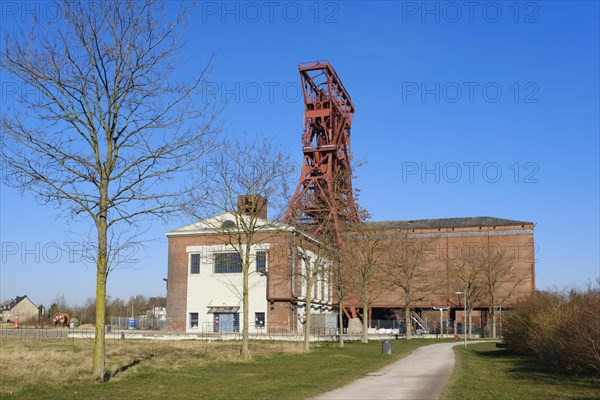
(228,224)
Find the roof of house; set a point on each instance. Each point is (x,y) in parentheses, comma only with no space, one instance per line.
(215,224)
(157,301)
(10,304)
(228,222)
(223,222)
(463,222)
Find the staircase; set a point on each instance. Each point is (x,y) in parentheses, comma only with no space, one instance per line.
(417,318)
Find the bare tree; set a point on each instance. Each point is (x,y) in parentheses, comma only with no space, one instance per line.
(117,307)
(315,270)
(363,257)
(500,281)
(467,275)
(243,179)
(61,302)
(487,274)
(341,289)
(87,312)
(58,304)
(113,127)
(406,270)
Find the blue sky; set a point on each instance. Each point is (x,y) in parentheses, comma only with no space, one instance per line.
(489,110)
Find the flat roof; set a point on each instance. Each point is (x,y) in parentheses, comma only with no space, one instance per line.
(463,222)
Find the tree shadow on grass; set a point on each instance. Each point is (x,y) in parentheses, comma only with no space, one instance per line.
(496,353)
(532,370)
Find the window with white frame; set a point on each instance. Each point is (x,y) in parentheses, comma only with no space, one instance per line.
(261,261)
(194,263)
(193,320)
(304,272)
(259,320)
(228,263)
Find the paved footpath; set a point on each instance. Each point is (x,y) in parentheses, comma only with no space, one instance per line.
(419,376)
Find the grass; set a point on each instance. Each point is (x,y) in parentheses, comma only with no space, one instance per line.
(483,371)
(188,369)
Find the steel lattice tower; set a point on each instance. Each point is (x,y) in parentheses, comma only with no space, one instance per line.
(323,197)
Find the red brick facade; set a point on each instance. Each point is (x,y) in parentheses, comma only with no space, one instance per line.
(283,281)
(443,239)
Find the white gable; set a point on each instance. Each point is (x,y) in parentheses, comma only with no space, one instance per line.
(214,225)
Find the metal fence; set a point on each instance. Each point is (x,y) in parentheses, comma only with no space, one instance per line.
(274,331)
(395,327)
(142,322)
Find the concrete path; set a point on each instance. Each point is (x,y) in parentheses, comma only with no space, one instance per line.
(418,376)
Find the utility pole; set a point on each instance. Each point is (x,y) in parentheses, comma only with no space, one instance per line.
(442,309)
(132,324)
(465,315)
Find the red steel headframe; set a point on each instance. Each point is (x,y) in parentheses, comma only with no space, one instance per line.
(324,192)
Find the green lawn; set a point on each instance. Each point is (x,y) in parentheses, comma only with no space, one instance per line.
(279,375)
(483,371)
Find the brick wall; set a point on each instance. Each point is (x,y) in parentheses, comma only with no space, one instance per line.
(443,249)
(516,240)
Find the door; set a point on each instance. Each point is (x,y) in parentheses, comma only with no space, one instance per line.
(227,322)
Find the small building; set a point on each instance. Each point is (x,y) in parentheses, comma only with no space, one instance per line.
(204,284)
(20,307)
(157,308)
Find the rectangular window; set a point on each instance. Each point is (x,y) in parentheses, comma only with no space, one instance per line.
(228,263)
(236,322)
(193,320)
(259,320)
(261,261)
(194,263)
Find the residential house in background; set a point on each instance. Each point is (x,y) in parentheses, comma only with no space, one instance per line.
(158,308)
(20,307)
(154,316)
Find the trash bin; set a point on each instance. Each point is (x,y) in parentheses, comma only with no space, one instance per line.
(386,347)
(108,328)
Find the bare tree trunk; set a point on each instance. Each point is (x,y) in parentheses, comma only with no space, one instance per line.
(365,335)
(341,324)
(245,353)
(470,320)
(494,332)
(493,314)
(310,282)
(309,288)
(408,322)
(98,359)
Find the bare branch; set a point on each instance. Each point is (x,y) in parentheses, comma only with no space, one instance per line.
(115,132)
